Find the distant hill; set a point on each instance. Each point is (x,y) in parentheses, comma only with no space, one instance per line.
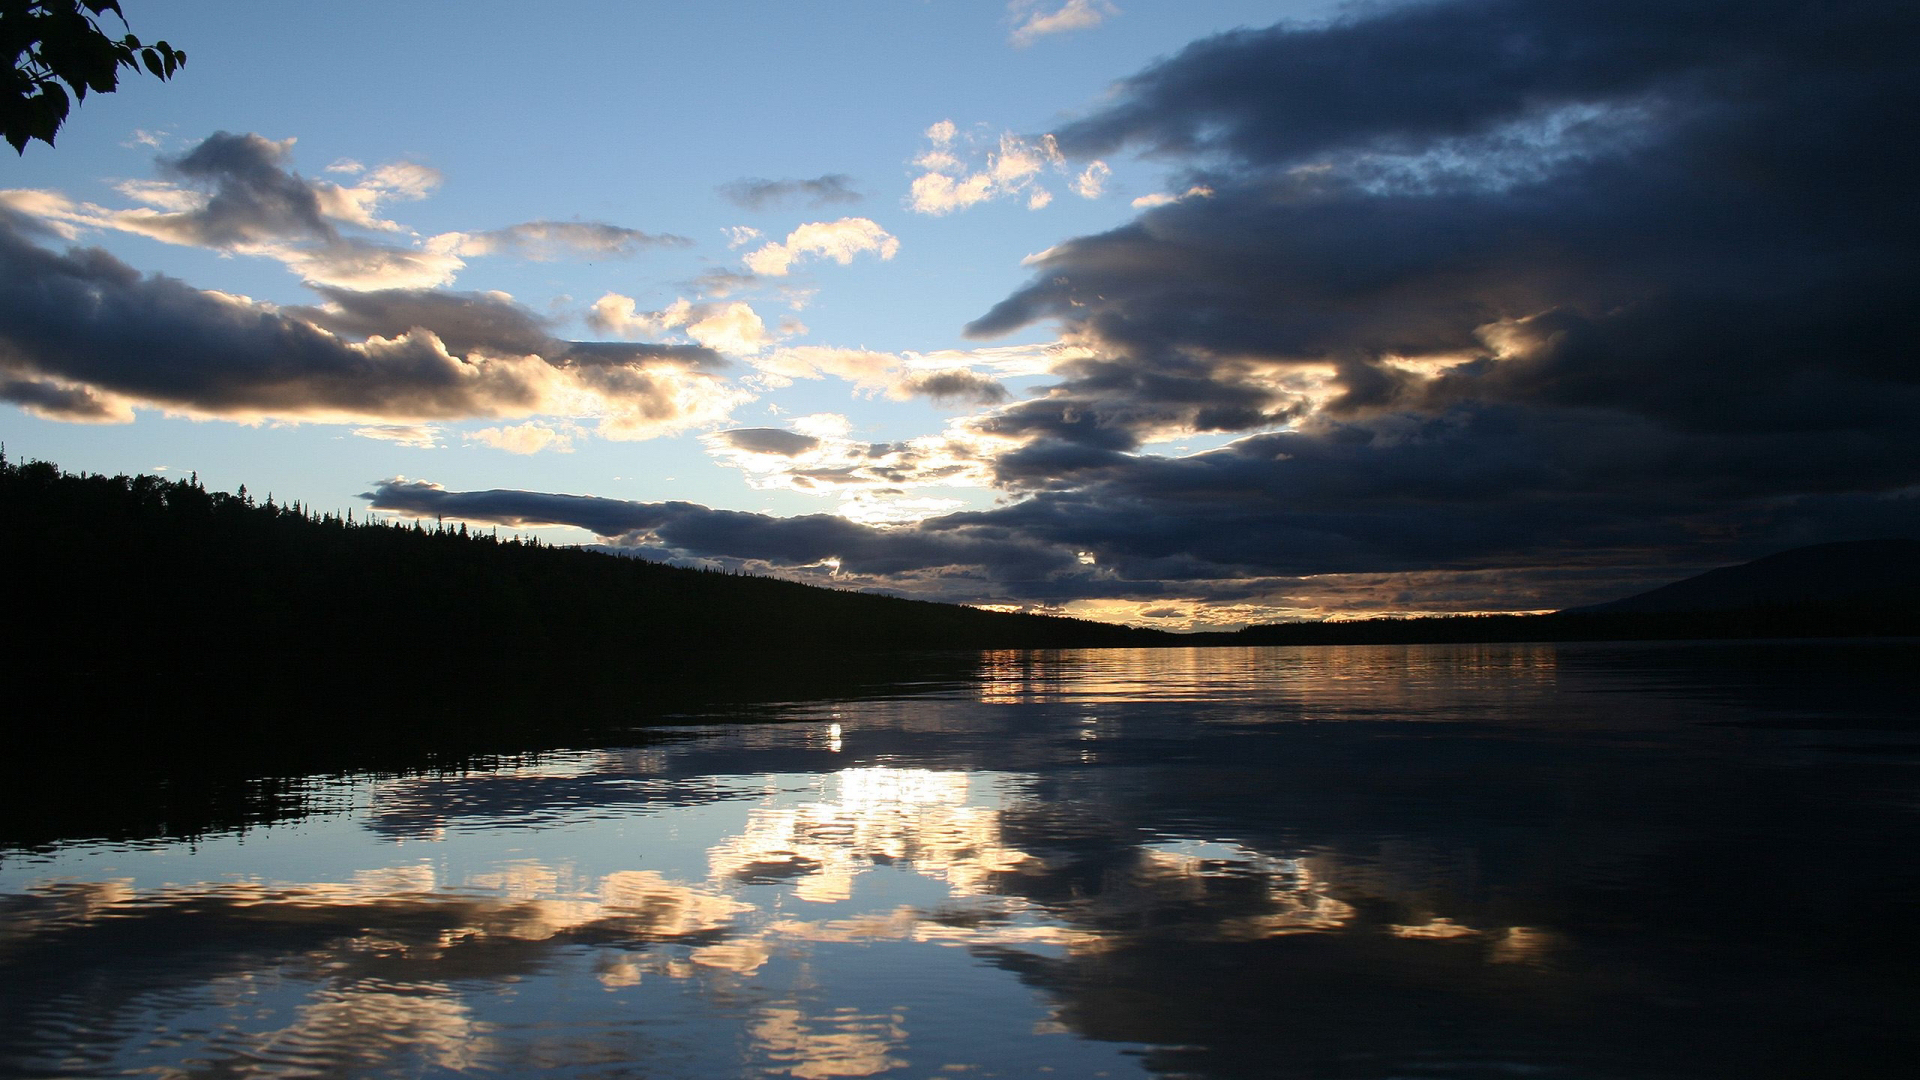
(1865,588)
(1851,574)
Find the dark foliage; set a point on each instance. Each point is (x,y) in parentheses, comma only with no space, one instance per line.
(120,566)
(156,627)
(55,42)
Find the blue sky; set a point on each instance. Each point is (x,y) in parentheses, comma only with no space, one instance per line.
(788,215)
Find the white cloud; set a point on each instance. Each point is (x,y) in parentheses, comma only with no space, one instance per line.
(862,367)
(815,455)
(947,380)
(620,316)
(1073,15)
(837,240)
(527,438)
(1161,198)
(418,436)
(358,205)
(362,266)
(741,235)
(1092,181)
(732,327)
(936,193)
(244,200)
(1011,166)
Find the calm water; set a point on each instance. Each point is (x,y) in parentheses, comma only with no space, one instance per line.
(1501,861)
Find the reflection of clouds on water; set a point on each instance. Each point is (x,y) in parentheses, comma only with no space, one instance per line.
(409,925)
(917,818)
(342,1029)
(841,1042)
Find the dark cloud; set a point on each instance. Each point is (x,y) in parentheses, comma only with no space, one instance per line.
(254,199)
(72,403)
(253,203)
(78,325)
(720,284)
(956,387)
(768,441)
(754,193)
(472,323)
(547,240)
(1530,281)
(688,530)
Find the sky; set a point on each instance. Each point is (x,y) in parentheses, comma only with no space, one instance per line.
(1184,315)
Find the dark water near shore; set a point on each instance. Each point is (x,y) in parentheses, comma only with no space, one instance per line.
(1494,861)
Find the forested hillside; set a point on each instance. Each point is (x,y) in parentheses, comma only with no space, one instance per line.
(140,565)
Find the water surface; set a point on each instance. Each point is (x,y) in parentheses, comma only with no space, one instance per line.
(1574,860)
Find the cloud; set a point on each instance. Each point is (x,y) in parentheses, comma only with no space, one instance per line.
(238,194)
(417,436)
(1547,281)
(83,327)
(953,386)
(775,441)
(527,438)
(1073,15)
(545,241)
(58,400)
(819,457)
(1092,181)
(754,193)
(1012,168)
(945,378)
(234,193)
(837,240)
(689,530)
(1161,198)
(733,327)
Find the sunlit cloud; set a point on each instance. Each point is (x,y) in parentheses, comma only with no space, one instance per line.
(527,438)
(1161,198)
(876,482)
(1091,183)
(1036,22)
(374,360)
(417,436)
(837,240)
(964,171)
(732,327)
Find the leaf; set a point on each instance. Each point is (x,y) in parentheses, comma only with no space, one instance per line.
(152,60)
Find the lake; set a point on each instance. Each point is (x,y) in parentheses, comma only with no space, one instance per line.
(1593,860)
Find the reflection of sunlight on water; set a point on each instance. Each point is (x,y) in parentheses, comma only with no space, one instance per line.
(1329,680)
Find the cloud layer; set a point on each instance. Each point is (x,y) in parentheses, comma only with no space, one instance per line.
(84,336)
(1550,280)
(1557,299)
